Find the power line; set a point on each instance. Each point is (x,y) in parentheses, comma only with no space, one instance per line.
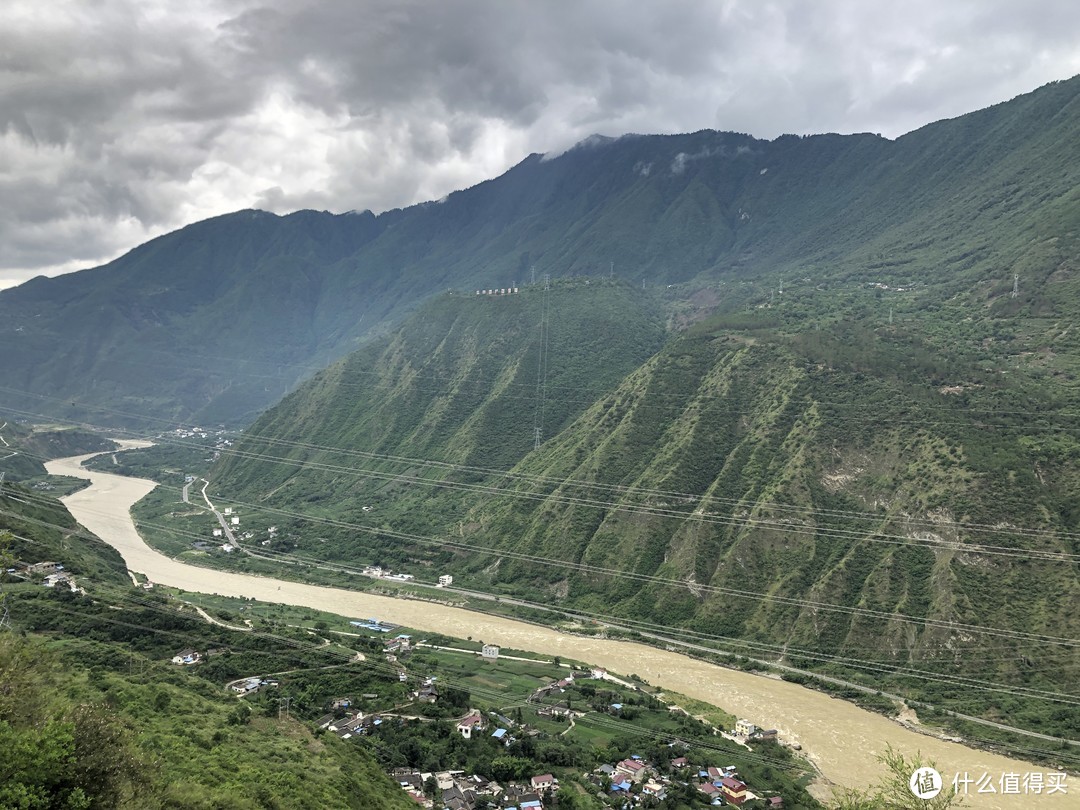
(652,579)
(495,551)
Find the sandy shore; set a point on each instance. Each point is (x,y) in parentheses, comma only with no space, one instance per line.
(841,739)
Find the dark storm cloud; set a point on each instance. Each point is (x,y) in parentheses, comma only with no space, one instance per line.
(123,118)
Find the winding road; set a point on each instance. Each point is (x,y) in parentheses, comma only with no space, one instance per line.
(842,740)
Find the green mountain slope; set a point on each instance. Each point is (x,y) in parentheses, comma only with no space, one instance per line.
(465,381)
(24,449)
(218,320)
(847,500)
(92,714)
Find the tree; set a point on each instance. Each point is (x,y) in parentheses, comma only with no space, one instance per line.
(893,791)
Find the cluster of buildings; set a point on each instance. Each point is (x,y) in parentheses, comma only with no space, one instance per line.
(378,572)
(196,432)
(249,686)
(634,779)
(187,658)
(352,725)
(455,790)
(52,575)
(745,731)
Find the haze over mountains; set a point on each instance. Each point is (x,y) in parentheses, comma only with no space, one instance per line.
(216,321)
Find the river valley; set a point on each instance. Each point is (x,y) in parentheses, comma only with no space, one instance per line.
(841,739)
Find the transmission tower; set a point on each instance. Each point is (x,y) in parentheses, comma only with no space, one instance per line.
(283,708)
(1016,285)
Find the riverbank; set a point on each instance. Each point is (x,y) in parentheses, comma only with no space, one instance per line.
(842,740)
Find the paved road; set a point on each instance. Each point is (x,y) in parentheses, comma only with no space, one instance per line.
(221,518)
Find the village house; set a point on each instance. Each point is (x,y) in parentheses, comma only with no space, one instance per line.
(632,769)
(187,657)
(454,798)
(654,789)
(542,782)
(246,686)
(556,711)
(710,790)
(733,791)
(473,721)
(490,652)
(744,728)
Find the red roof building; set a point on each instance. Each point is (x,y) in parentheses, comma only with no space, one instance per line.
(733,790)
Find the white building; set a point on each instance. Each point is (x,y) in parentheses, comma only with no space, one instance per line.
(445,579)
(490,652)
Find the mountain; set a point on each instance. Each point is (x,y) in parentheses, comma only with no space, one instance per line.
(854,450)
(220,319)
(798,496)
(24,449)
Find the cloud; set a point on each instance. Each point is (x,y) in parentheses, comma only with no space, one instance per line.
(122,119)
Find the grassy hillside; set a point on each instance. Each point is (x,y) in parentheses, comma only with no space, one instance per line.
(92,715)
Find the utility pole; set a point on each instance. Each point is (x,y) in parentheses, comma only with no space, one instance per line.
(283,708)
(890,316)
(532,275)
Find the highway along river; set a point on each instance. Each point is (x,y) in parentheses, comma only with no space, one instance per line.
(841,739)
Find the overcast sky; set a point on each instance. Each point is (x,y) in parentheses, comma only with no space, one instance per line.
(123,119)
